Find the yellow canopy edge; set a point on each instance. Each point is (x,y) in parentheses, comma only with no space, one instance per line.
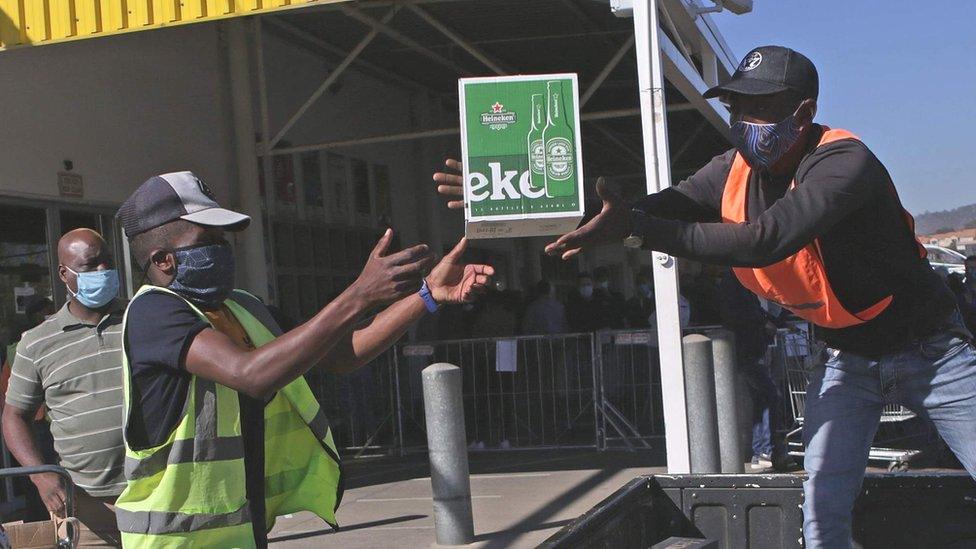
(37,22)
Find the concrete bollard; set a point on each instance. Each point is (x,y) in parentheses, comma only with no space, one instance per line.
(700,398)
(446,444)
(726,404)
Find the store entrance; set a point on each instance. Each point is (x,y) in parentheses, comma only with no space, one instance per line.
(29,233)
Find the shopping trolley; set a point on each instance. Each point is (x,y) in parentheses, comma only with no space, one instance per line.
(55,533)
(797,353)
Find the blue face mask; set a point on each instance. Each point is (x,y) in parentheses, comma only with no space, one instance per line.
(204,274)
(96,289)
(762,145)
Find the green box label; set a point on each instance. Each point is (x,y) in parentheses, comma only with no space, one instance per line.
(522,150)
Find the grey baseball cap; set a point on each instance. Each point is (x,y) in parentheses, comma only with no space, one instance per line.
(171,196)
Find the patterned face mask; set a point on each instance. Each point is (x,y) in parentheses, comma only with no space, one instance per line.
(205,273)
(762,145)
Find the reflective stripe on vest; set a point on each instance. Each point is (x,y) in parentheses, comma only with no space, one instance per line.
(190,489)
(799,282)
(161,522)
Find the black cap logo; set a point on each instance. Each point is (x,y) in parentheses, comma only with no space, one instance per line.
(751,61)
(206,190)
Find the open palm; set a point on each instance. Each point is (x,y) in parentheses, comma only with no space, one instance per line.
(452,281)
(612,224)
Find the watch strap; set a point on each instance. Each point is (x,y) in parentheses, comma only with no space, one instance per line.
(427,297)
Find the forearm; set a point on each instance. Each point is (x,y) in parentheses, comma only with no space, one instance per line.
(673,204)
(733,244)
(363,345)
(270,367)
(18,433)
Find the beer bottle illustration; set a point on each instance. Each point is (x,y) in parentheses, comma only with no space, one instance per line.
(558,140)
(537,152)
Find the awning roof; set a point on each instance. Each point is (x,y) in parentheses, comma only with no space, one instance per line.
(414,47)
(37,22)
(517,37)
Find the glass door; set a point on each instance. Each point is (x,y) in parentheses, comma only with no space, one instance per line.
(29,232)
(25,270)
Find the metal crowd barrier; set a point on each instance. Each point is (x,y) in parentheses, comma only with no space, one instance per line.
(519,392)
(361,406)
(629,389)
(586,390)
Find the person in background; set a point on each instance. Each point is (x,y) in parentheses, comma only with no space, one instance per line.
(71,364)
(545,314)
(699,284)
(39,308)
(497,315)
(970,281)
(964,298)
(584,311)
(742,314)
(611,300)
(640,307)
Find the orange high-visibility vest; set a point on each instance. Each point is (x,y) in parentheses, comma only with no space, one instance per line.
(799,282)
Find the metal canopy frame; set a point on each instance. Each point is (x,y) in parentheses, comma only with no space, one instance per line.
(659,59)
(679,71)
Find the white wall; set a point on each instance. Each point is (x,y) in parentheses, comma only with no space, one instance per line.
(121,108)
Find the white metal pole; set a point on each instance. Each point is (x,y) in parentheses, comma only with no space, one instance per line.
(650,76)
(266,159)
(249,195)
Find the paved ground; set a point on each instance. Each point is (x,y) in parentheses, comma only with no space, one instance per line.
(519,498)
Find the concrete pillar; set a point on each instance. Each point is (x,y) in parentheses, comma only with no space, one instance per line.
(726,403)
(700,394)
(447,446)
(253,269)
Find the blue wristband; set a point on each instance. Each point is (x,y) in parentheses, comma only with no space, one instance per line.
(428,299)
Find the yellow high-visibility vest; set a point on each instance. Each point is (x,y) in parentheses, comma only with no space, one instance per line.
(190,490)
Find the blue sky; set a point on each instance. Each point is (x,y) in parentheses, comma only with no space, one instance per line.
(900,74)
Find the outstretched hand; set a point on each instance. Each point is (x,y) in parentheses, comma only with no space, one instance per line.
(451,184)
(388,277)
(612,224)
(454,282)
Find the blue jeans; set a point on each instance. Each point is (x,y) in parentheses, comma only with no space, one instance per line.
(935,378)
(765,401)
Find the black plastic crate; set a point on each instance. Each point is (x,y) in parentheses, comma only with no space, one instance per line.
(765,511)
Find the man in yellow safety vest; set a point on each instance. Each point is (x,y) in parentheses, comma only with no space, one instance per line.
(222,433)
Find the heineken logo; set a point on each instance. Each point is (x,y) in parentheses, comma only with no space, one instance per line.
(559,158)
(498,118)
(537,152)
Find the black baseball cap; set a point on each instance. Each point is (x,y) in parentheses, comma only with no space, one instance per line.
(171,196)
(771,69)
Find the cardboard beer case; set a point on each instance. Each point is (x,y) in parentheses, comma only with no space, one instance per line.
(523,163)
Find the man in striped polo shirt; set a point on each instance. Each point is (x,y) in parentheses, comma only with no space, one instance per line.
(72,363)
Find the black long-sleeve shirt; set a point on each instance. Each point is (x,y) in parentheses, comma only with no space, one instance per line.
(845,198)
